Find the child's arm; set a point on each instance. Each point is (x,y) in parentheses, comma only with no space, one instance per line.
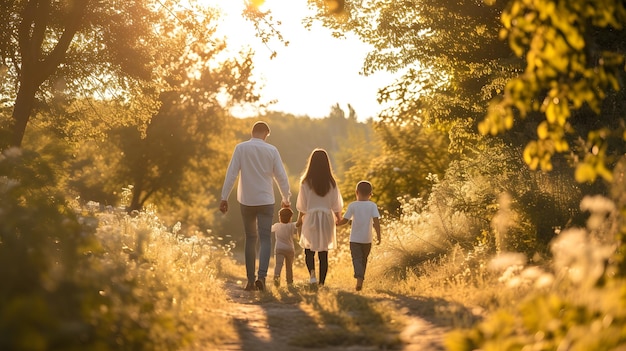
(342,221)
(376,222)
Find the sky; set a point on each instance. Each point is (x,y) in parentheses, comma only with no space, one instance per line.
(313,73)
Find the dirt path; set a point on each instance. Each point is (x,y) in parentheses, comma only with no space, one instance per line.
(264,324)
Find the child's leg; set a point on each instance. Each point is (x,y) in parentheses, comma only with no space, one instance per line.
(366,248)
(280,258)
(322,256)
(356,252)
(289,258)
(360,253)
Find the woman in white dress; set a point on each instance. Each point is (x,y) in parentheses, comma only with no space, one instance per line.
(319,205)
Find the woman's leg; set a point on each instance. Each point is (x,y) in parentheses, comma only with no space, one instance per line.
(309,258)
(322,256)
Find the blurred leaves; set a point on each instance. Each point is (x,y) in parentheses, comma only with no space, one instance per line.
(575,56)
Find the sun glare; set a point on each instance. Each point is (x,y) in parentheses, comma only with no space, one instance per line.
(312,61)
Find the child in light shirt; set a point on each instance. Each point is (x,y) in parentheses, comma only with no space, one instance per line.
(284,249)
(364,216)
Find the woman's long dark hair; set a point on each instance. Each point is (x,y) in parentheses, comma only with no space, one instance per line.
(318,173)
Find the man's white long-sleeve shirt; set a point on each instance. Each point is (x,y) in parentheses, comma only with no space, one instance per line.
(257,164)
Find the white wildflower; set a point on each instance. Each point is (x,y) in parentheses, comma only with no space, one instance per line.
(176,227)
(600,208)
(12,152)
(506,260)
(581,260)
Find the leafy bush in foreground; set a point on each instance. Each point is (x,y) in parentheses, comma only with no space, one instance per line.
(582,306)
(41,243)
(105,281)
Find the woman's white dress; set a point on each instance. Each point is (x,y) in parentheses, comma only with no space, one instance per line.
(318,224)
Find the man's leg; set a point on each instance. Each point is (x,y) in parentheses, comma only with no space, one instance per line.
(264,217)
(248,215)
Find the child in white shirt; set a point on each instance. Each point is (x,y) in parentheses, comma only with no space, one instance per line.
(365,216)
(284,249)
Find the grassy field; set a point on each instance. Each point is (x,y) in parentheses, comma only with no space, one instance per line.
(185,276)
(138,284)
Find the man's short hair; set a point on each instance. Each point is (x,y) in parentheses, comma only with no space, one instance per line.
(260,127)
(364,187)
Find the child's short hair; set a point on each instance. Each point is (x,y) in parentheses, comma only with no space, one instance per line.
(285,214)
(364,187)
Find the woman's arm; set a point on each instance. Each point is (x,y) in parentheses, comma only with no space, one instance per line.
(299,221)
(342,221)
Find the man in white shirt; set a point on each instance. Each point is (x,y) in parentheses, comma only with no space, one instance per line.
(258,165)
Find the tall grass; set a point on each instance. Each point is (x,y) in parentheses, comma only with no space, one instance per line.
(83,278)
(170,283)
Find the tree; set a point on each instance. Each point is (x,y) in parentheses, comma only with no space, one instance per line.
(410,156)
(449,69)
(76,49)
(180,144)
(178,139)
(573,80)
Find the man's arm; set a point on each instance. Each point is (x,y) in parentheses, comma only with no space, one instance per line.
(282,180)
(229,181)
(224,206)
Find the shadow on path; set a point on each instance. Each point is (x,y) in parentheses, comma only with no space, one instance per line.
(299,318)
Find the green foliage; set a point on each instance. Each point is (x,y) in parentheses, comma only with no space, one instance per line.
(589,320)
(448,69)
(464,202)
(95,281)
(573,79)
(41,246)
(176,155)
(152,281)
(577,302)
(410,155)
(484,204)
(54,51)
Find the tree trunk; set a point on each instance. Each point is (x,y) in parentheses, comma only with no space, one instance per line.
(39,64)
(22,109)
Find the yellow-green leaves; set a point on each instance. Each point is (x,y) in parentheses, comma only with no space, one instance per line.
(562,75)
(595,163)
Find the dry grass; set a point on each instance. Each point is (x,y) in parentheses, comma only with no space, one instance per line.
(452,291)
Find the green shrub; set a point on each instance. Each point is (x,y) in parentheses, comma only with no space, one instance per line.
(582,306)
(41,246)
(97,280)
